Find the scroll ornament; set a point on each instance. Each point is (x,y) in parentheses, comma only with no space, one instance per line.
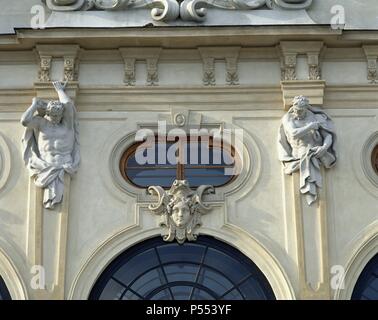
(170,10)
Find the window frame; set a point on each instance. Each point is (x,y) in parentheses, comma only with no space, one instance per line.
(180,168)
(207,243)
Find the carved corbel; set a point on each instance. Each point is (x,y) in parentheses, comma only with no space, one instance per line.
(44,68)
(371,53)
(290,50)
(68,53)
(314,71)
(290,65)
(152,71)
(232,77)
(209,71)
(149,55)
(70,68)
(130,76)
(372,69)
(229,54)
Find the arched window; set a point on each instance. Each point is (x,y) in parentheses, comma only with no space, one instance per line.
(4,293)
(367,284)
(374,159)
(196,161)
(203,270)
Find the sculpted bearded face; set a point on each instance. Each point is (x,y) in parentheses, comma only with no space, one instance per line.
(299,109)
(299,113)
(181,214)
(54,112)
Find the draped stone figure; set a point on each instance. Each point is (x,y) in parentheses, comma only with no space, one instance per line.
(50,144)
(305,143)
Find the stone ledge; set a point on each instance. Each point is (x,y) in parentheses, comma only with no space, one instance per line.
(313,89)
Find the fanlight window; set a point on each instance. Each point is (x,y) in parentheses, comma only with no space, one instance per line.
(367,284)
(205,270)
(196,161)
(4,293)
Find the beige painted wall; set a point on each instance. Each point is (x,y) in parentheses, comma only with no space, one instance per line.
(264,218)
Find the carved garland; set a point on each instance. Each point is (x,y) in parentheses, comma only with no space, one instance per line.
(170,10)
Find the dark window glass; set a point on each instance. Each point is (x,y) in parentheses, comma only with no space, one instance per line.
(205,270)
(4,293)
(367,284)
(204,164)
(374,159)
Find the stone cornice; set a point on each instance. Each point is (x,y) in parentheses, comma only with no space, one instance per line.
(201,98)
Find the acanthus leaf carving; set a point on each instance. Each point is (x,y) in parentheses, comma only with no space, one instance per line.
(130,76)
(232,76)
(180,210)
(70,72)
(209,72)
(170,10)
(44,68)
(152,72)
(290,64)
(372,70)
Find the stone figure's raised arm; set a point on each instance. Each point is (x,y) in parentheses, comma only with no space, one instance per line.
(59,87)
(297,133)
(69,108)
(29,119)
(328,139)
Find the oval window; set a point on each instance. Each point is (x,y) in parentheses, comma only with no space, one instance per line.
(162,162)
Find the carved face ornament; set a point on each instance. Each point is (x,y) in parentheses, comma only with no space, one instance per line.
(55,111)
(299,109)
(299,113)
(180,214)
(180,210)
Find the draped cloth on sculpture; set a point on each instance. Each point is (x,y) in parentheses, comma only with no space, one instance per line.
(48,176)
(309,165)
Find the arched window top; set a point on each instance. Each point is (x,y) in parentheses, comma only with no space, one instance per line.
(199,162)
(4,293)
(204,270)
(367,284)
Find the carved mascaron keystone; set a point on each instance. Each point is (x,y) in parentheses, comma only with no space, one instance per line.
(180,209)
